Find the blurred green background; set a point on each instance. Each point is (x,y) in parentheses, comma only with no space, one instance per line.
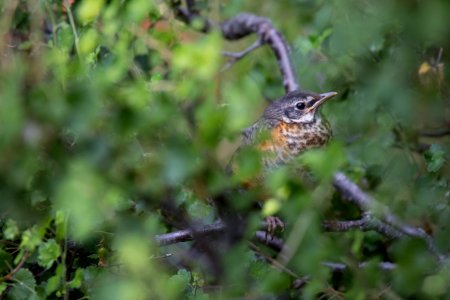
(109,108)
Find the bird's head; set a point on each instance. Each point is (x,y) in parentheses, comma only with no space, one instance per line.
(297,107)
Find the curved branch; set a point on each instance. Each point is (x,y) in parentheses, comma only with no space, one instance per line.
(242,25)
(245,24)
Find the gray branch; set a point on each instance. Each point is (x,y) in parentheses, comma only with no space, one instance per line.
(188,234)
(243,25)
(378,217)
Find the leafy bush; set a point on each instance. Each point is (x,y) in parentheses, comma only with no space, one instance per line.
(117,121)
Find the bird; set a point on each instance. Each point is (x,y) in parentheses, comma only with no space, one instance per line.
(288,127)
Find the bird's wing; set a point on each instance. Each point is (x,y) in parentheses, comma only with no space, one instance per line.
(250,133)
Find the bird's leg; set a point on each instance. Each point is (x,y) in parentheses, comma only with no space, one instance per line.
(272,224)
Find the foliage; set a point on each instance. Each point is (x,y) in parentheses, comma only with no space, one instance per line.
(110,108)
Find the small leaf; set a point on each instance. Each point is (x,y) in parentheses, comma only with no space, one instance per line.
(180,280)
(89,10)
(54,282)
(258,269)
(11,231)
(435,158)
(3,287)
(77,279)
(324,162)
(435,285)
(271,207)
(424,68)
(48,253)
(30,239)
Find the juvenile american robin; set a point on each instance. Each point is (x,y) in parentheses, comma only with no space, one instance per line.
(288,127)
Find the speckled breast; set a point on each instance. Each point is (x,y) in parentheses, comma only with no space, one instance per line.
(289,140)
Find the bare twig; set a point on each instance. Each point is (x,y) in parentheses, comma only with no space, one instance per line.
(340,267)
(66,5)
(188,234)
(367,223)
(13,272)
(272,242)
(219,227)
(235,56)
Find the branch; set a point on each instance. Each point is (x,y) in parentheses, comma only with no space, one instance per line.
(367,223)
(13,272)
(242,25)
(340,267)
(188,234)
(245,24)
(386,223)
(436,133)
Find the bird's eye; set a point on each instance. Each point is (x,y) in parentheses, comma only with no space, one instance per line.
(300,105)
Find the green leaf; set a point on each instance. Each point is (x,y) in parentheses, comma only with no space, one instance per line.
(6,260)
(436,285)
(85,196)
(259,269)
(88,41)
(61,225)
(199,59)
(31,238)
(89,10)
(435,158)
(54,282)
(24,285)
(48,253)
(324,162)
(3,287)
(77,279)
(138,9)
(11,231)
(201,211)
(179,281)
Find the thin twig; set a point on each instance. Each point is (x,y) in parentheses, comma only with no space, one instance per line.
(72,25)
(235,56)
(188,234)
(366,223)
(340,267)
(13,272)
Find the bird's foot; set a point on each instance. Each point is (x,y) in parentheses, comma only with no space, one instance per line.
(272,224)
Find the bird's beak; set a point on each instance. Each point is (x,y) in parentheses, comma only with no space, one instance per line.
(323,97)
